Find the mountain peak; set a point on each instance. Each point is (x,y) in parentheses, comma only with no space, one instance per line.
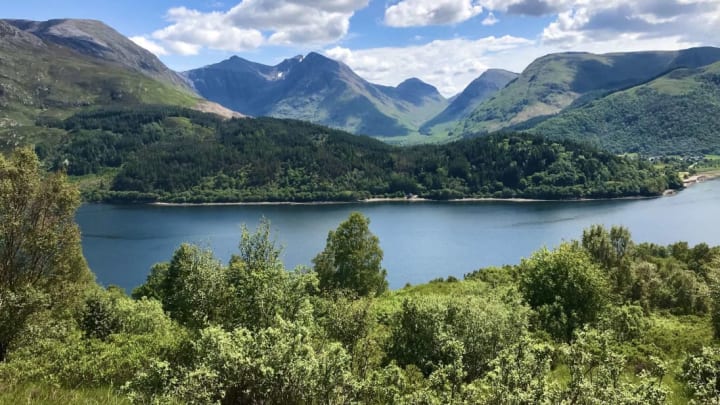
(96,39)
(415,90)
(314,58)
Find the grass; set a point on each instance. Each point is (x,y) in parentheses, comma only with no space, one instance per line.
(42,394)
(417,138)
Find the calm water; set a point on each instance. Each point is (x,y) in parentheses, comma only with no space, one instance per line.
(421,241)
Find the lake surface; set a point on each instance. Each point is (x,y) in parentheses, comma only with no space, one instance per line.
(421,240)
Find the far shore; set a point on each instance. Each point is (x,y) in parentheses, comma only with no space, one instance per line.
(397,200)
(690,181)
(701,178)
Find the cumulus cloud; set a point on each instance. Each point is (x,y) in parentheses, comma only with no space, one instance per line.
(149,45)
(687,20)
(413,13)
(254,23)
(432,62)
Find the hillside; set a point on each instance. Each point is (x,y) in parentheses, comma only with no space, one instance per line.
(178,155)
(461,106)
(677,113)
(559,81)
(317,89)
(52,69)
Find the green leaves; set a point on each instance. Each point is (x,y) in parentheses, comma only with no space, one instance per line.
(352,259)
(41,262)
(565,288)
(701,372)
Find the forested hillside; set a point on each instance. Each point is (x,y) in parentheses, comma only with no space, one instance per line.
(176,155)
(557,82)
(599,320)
(677,113)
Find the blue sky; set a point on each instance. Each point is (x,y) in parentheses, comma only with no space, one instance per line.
(444,42)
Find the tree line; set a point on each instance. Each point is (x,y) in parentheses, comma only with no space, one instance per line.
(175,155)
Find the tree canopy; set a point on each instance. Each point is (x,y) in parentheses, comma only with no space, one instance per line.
(352,259)
(41,261)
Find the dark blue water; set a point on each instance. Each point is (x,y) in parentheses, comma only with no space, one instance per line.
(421,241)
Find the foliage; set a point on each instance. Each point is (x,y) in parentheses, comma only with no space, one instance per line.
(676,114)
(41,262)
(177,155)
(519,374)
(352,259)
(432,333)
(596,374)
(565,288)
(701,372)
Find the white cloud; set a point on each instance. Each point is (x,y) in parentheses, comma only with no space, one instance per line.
(414,13)
(531,7)
(449,71)
(149,45)
(490,20)
(254,23)
(686,20)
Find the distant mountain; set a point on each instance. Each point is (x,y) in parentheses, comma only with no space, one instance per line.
(676,113)
(51,69)
(321,90)
(95,39)
(558,81)
(479,90)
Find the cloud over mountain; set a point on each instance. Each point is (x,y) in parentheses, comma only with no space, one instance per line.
(254,23)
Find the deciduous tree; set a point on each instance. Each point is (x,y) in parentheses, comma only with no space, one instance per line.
(352,259)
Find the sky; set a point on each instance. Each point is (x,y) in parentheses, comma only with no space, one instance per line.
(446,43)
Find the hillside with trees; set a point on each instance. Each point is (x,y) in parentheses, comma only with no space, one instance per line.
(564,81)
(599,320)
(177,155)
(675,114)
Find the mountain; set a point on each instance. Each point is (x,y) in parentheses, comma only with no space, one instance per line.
(321,90)
(676,113)
(479,90)
(566,80)
(50,70)
(95,39)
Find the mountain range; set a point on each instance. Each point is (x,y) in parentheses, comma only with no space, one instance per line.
(321,90)
(649,102)
(576,95)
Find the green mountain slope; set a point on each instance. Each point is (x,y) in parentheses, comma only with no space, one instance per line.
(558,81)
(53,69)
(169,154)
(677,113)
(321,90)
(479,90)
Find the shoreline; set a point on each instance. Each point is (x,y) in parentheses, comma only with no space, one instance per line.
(691,181)
(701,178)
(404,200)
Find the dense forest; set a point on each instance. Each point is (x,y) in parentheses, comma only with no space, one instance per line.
(178,155)
(594,321)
